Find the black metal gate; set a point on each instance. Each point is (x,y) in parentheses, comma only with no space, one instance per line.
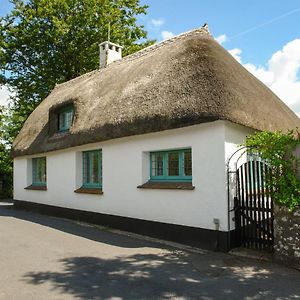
(254,207)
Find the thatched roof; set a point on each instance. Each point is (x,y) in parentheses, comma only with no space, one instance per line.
(186,80)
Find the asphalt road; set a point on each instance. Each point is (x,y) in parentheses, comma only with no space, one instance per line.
(43,257)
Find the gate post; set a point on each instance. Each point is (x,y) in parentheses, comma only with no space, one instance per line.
(237,219)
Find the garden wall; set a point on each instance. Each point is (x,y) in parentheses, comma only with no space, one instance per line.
(287,236)
(297,154)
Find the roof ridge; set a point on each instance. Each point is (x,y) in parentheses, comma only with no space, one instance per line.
(74,79)
(202,30)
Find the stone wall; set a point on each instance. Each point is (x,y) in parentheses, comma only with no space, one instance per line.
(296,152)
(287,236)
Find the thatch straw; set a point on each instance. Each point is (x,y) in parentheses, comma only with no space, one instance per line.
(186,80)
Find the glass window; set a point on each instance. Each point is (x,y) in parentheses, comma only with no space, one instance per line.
(65,118)
(157,164)
(39,173)
(173,165)
(187,162)
(92,168)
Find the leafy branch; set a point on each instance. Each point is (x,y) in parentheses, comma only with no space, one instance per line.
(279,151)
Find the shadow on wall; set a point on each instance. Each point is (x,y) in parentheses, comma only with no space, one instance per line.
(84,230)
(165,276)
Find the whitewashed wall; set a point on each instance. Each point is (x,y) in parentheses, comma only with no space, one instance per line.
(126,165)
(234,136)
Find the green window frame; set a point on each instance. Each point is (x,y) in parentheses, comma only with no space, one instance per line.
(92,169)
(174,165)
(65,118)
(39,171)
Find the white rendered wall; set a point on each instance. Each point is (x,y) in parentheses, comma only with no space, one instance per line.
(235,135)
(126,165)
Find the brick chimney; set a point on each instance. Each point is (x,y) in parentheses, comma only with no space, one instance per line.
(109,52)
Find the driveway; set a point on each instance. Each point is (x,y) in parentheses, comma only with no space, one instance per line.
(43,257)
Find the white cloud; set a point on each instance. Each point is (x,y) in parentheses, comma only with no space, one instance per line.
(262,73)
(4,95)
(221,39)
(166,34)
(236,53)
(157,22)
(280,74)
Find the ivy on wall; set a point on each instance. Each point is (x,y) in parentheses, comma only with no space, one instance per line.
(278,150)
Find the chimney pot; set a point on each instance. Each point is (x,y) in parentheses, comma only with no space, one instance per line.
(109,52)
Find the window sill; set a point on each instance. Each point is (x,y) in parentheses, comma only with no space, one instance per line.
(63,130)
(95,191)
(167,185)
(36,187)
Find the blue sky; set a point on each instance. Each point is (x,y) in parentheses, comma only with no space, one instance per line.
(262,35)
(231,17)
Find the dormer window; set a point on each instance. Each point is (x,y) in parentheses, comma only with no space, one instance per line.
(65,118)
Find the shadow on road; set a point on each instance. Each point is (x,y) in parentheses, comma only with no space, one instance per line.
(144,274)
(71,227)
(165,275)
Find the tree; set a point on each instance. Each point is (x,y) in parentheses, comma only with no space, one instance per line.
(6,166)
(44,42)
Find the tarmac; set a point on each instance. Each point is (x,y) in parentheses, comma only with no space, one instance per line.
(43,257)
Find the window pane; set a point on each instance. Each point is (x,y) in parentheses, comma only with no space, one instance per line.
(173,164)
(65,118)
(61,121)
(95,167)
(69,118)
(187,163)
(39,170)
(157,164)
(86,167)
(44,171)
(92,168)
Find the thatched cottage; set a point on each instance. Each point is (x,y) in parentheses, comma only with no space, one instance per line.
(142,143)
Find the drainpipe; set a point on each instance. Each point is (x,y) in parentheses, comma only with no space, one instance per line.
(217,228)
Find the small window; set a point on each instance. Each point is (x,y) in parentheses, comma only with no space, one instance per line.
(65,118)
(39,172)
(92,169)
(175,165)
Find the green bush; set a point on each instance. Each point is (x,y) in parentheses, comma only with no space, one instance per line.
(278,150)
